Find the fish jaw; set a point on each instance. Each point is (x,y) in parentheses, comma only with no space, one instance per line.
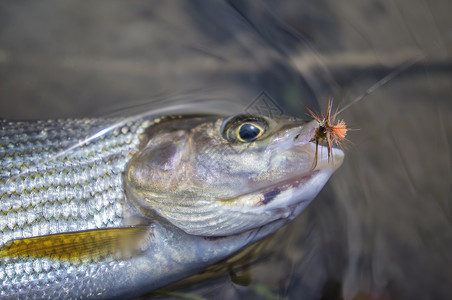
(308,186)
(282,201)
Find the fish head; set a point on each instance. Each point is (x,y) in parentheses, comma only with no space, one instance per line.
(218,176)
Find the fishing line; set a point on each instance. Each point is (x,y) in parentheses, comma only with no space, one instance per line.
(383,81)
(408,64)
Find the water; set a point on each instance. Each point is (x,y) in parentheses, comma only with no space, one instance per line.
(381,229)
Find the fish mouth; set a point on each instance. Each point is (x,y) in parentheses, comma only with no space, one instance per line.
(297,188)
(272,192)
(286,199)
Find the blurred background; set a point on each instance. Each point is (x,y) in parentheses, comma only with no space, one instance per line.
(381,228)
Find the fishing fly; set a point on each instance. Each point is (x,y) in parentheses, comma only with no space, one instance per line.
(328,131)
(335,133)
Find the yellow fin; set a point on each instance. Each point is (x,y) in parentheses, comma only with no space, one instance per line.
(92,244)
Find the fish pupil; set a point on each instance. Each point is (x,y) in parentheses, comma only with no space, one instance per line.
(249,132)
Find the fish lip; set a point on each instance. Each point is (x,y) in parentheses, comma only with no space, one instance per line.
(289,211)
(335,162)
(287,184)
(324,165)
(323,160)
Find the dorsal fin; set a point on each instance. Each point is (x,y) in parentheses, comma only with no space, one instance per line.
(92,244)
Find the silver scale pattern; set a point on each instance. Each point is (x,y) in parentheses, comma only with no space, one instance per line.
(45,189)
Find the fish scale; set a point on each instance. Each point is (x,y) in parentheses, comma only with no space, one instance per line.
(63,187)
(46,190)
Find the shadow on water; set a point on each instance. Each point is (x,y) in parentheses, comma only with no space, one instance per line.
(382,227)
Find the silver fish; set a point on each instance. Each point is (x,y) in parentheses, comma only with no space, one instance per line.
(107,208)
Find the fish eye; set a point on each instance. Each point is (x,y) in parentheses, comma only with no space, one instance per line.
(245,129)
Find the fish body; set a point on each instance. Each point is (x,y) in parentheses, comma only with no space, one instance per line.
(107,208)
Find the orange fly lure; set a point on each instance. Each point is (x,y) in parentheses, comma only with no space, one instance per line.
(328,131)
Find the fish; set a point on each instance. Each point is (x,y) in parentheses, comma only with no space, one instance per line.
(116,208)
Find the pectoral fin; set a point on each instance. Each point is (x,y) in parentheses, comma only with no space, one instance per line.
(81,245)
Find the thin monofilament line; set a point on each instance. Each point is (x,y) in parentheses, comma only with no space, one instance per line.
(383,81)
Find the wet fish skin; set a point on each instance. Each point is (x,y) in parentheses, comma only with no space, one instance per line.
(48,186)
(41,186)
(45,190)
